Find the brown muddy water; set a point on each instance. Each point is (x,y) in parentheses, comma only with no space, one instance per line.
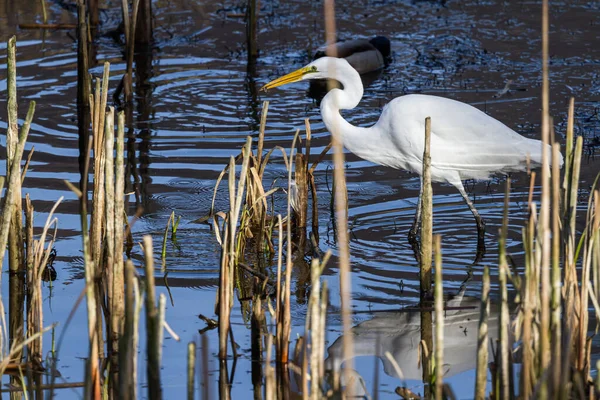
(197,99)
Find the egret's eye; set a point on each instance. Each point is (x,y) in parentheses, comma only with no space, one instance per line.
(313,68)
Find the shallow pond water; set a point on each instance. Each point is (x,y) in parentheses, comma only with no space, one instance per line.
(198,100)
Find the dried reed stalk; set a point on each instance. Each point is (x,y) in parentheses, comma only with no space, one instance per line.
(556,323)
(544,223)
(482,337)
(92,375)
(257,323)
(439,319)
(317,305)
(118,283)
(127,350)
(16,256)
(153,327)
(97,107)
(504,346)
(230,249)
(427,216)
(109,246)
(286,323)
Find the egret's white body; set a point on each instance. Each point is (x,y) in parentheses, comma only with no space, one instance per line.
(466,143)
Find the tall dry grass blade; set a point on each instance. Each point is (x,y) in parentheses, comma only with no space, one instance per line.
(439,319)
(529,300)
(341,212)
(278,299)
(569,143)
(127,350)
(224,288)
(556,272)
(504,349)
(153,327)
(261,135)
(544,223)
(427,216)
(482,337)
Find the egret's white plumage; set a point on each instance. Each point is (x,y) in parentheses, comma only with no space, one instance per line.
(466,143)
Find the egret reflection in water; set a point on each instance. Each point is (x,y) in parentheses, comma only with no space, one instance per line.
(399,333)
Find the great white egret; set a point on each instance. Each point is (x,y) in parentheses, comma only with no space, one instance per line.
(466,143)
(367,57)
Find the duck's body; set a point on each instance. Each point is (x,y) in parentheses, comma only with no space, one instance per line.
(363,55)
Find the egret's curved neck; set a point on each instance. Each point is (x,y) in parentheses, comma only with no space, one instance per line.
(344,99)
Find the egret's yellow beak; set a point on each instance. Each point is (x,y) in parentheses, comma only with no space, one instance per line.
(289,78)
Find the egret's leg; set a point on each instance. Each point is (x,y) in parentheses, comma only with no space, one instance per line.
(478,219)
(416,226)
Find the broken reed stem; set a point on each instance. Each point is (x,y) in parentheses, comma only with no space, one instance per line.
(98,107)
(153,329)
(15,238)
(482,337)
(427,215)
(191,370)
(14,183)
(439,319)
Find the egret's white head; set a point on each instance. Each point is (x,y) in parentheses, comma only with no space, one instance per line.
(322,68)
